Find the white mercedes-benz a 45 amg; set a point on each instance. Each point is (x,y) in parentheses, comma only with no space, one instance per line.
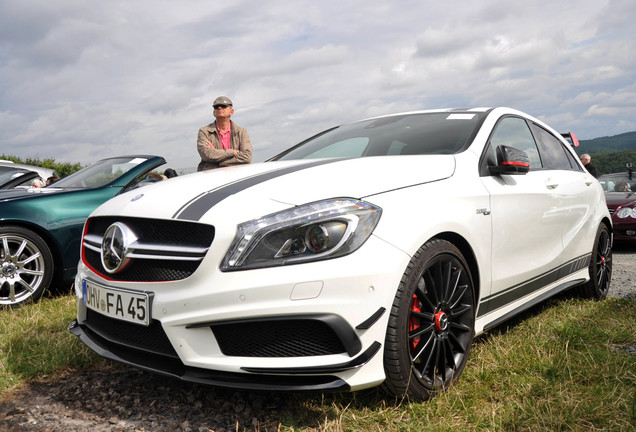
(371,253)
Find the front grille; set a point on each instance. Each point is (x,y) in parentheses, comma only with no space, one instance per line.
(151,339)
(168,250)
(283,338)
(144,271)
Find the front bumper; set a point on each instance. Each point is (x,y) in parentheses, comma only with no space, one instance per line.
(262,379)
(318,326)
(624,229)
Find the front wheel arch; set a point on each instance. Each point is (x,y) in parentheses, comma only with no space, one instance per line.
(58,266)
(469,255)
(27,265)
(431,324)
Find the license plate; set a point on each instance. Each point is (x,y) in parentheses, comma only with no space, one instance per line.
(128,306)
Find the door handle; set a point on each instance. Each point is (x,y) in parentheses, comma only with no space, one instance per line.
(550,184)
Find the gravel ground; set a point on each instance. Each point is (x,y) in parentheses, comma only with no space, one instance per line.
(117,398)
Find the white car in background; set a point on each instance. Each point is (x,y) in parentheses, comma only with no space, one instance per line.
(7,166)
(371,253)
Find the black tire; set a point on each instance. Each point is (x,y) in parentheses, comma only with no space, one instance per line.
(26,266)
(432,323)
(600,266)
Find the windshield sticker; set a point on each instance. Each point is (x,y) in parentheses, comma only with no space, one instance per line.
(460,117)
(137,161)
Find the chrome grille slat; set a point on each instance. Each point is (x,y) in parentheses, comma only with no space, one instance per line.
(165,250)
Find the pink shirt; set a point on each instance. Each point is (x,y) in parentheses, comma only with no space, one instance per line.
(224,137)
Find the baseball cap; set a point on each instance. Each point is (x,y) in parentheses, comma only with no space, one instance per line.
(222,100)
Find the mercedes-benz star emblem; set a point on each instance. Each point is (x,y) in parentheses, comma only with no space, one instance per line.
(115,247)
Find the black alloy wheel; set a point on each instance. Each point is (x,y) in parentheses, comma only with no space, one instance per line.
(600,266)
(431,326)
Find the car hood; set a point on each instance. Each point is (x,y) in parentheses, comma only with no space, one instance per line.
(258,189)
(615,199)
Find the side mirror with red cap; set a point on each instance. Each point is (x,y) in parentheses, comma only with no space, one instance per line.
(510,161)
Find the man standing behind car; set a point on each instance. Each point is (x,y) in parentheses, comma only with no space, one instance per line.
(586,159)
(223,143)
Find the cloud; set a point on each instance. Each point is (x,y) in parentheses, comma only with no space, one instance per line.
(81,81)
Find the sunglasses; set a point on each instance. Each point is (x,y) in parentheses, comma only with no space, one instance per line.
(220,106)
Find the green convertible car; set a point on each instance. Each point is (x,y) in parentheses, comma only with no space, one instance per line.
(41,229)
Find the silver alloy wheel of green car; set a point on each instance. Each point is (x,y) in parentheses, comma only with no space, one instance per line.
(26,266)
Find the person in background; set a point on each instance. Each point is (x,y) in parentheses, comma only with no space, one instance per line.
(154,177)
(586,159)
(622,187)
(223,143)
(37,183)
(170,173)
(52,179)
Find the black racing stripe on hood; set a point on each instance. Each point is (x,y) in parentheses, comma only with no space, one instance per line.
(198,206)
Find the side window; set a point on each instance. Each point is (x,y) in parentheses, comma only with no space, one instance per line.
(514,132)
(573,161)
(554,155)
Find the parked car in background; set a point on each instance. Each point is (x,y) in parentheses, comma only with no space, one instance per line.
(41,229)
(6,165)
(18,178)
(621,200)
(371,253)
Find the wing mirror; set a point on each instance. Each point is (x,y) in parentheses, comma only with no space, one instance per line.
(510,161)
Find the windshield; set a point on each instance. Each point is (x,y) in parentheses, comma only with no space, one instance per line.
(406,134)
(99,174)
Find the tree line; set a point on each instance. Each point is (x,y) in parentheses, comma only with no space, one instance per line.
(612,162)
(61,169)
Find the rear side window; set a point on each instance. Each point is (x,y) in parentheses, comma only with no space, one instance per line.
(553,153)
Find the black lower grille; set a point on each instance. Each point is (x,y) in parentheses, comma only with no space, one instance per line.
(145,270)
(284,338)
(152,338)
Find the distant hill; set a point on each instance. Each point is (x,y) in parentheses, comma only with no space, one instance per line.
(608,144)
(611,153)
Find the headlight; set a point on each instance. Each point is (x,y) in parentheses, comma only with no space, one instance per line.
(626,212)
(310,232)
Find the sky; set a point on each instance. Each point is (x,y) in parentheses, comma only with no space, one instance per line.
(81,80)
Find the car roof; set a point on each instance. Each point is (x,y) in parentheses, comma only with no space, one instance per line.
(617,175)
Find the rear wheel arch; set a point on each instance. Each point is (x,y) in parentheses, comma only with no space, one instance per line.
(600,268)
(608,224)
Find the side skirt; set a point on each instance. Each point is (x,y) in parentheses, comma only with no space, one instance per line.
(527,305)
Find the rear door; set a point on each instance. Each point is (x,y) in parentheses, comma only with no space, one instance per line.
(576,192)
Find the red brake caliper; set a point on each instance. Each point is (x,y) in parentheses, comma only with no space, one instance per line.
(414,322)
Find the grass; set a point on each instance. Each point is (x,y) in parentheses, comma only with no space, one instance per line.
(35,345)
(569,365)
